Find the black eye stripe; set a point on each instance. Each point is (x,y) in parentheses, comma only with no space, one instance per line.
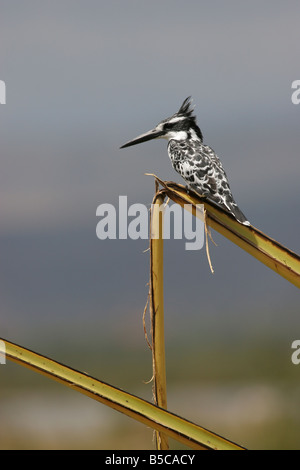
(185,125)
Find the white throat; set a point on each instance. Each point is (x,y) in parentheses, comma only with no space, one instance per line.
(176,135)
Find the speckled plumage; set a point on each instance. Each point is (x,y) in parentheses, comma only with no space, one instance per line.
(197,163)
(203,172)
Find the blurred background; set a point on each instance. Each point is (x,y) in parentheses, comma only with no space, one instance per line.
(82,78)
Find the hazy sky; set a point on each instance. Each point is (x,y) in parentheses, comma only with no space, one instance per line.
(82,78)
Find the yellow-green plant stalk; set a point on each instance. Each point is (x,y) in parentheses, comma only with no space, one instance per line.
(161,420)
(157,311)
(277,257)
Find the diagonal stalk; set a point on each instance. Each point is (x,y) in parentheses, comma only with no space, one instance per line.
(275,256)
(174,426)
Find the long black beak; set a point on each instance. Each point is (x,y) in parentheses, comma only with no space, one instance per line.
(153,134)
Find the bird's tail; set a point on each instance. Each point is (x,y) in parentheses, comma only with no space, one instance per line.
(232,207)
(229,205)
(237,213)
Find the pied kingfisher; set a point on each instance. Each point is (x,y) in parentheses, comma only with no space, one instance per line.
(195,162)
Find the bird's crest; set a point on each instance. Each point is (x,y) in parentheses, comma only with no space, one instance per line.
(186,109)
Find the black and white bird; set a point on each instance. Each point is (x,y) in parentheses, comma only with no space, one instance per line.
(197,163)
